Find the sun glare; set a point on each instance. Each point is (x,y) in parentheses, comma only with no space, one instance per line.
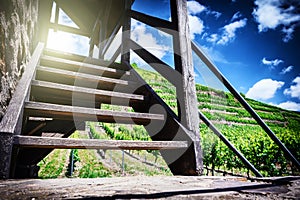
(62,41)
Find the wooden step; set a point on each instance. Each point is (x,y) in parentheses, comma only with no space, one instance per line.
(68,143)
(84,59)
(76,66)
(55,111)
(82,79)
(64,94)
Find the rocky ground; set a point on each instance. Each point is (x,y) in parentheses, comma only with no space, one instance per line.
(157,187)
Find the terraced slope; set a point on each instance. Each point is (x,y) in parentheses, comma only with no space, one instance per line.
(230,118)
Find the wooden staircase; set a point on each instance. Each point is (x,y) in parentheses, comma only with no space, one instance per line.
(65,90)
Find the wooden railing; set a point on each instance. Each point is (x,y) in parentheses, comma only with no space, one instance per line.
(244,103)
(11,123)
(170,74)
(11,120)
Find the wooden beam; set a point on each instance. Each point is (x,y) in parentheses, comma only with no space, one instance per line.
(11,123)
(163,25)
(103,28)
(116,54)
(68,143)
(161,67)
(186,93)
(83,67)
(44,15)
(83,76)
(63,112)
(112,37)
(68,29)
(64,94)
(126,29)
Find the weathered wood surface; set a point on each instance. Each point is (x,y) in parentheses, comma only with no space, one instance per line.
(186,92)
(126,29)
(78,75)
(12,120)
(36,109)
(14,111)
(155,22)
(140,187)
(69,143)
(84,59)
(161,67)
(68,29)
(82,67)
(56,93)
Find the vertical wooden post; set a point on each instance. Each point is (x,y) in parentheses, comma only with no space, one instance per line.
(6,145)
(44,12)
(186,88)
(125,50)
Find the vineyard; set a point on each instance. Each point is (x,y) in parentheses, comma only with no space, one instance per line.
(218,106)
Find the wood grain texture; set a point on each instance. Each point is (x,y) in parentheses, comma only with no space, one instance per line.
(78,75)
(186,94)
(81,66)
(56,111)
(68,143)
(75,89)
(10,121)
(163,25)
(84,59)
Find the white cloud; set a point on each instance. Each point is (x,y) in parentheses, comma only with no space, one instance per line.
(270,14)
(147,40)
(290,105)
(287,69)
(214,13)
(271,63)
(196,26)
(236,15)
(229,31)
(195,7)
(264,89)
(294,90)
(212,38)
(64,19)
(288,33)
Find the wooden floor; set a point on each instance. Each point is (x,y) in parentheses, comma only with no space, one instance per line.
(158,187)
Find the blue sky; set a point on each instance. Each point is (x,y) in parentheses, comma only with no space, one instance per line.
(254,43)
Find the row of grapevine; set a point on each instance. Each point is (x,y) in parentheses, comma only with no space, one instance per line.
(250,139)
(255,145)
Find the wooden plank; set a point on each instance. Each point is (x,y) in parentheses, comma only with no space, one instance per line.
(68,29)
(68,143)
(36,109)
(12,120)
(126,29)
(65,94)
(186,93)
(184,65)
(103,28)
(161,67)
(84,59)
(112,36)
(82,67)
(83,76)
(84,90)
(162,25)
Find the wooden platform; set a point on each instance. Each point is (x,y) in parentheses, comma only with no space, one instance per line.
(158,187)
